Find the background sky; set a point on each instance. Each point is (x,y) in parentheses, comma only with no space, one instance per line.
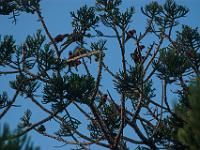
(57,17)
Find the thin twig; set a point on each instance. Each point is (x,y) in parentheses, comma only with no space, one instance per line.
(8,72)
(60,118)
(154,55)
(122,47)
(32,126)
(47,32)
(110,72)
(10,104)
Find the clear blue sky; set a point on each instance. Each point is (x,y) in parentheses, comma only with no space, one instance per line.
(57,17)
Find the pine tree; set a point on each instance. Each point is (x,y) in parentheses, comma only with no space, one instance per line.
(189,133)
(21,143)
(52,81)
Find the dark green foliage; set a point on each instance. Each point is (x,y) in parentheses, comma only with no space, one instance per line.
(32,49)
(132,80)
(171,64)
(180,57)
(190,133)
(152,9)
(61,91)
(95,130)
(110,13)
(173,10)
(7,48)
(46,59)
(100,45)
(107,5)
(3,100)
(111,119)
(184,129)
(28,6)
(132,84)
(188,42)
(55,92)
(22,143)
(161,133)
(25,120)
(34,43)
(16,6)
(188,38)
(155,125)
(84,19)
(25,85)
(68,126)
(7,7)
(80,88)
(10,6)
(164,16)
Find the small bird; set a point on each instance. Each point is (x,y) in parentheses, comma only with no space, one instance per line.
(141,47)
(74,63)
(103,100)
(41,129)
(73,37)
(79,51)
(130,34)
(59,38)
(137,56)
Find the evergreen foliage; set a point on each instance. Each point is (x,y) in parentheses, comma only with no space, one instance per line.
(22,143)
(141,105)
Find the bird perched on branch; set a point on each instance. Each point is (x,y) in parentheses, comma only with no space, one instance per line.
(137,56)
(79,51)
(59,38)
(74,63)
(103,100)
(140,47)
(73,37)
(130,34)
(41,128)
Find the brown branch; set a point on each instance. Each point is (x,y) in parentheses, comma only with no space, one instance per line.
(82,144)
(147,30)
(150,75)
(165,95)
(60,118)
(101,124)
(47,32)
(154,55)
(99,74)
(86,67)
(8,72)
(32,126)
(134,126)
(110,72)
(122,47)
(94,109)
(10,104)
(130,123)
(132,140)
(147,54)
(83,55)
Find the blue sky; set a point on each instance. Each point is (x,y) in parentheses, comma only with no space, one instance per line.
(57,17)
